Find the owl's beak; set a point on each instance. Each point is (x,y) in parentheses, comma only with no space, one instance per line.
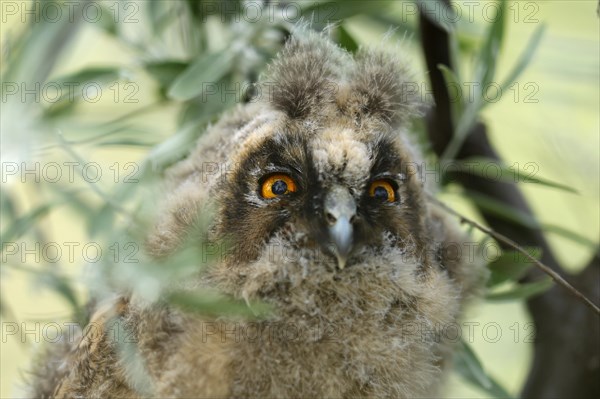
(340,210)
(341,235)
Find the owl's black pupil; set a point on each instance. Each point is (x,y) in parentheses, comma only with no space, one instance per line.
(279,187)
(380,193)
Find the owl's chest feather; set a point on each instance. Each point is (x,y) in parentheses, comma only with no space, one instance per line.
(386,343)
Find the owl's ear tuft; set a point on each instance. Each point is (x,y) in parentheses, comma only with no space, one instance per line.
(383,87)
(304,77)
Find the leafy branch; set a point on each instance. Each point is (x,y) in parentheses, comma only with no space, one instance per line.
(507,241)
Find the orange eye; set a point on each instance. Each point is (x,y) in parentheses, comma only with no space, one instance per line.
(382,190)
(276,185)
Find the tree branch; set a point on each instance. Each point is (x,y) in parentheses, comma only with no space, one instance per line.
(567,350)
(510,243)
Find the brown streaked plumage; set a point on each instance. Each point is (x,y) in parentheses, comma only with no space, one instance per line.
(362,283)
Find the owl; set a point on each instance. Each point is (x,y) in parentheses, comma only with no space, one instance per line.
(316,190)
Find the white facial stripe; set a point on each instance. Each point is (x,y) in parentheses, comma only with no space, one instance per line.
(338,152)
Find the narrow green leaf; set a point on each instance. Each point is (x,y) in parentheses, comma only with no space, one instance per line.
(571,235)
(522,291)
(42,45)
(227,10)
(488,56)
(161,14)
(60,108)
(462,129)
(494,170)
(201,75)
(62,286)
(346,40)
(6,311)
(502,210)
(101,221)
(463,119)
(72,198)
(71,88)
(94,187)
(199,110)
(525,57)
(497,208)
(485,68)
(108,19)
(50,278)
(119,125)
(175,147)
(456,44)
(126,142)
(9,210)
(22,224)
(543,182)
(96,75)
(511,265)
(165,72)
(322,13)
(473,366)
(453,85)
(208,303)
(470,368)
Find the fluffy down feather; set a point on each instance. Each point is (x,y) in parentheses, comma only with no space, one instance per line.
(372,329)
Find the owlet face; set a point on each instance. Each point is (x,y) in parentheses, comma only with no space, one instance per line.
(321,181)
(329,195)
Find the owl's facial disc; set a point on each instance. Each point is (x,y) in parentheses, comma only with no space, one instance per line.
(340,214)
(328,198)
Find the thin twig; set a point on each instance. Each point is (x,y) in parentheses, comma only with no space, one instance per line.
(505,240)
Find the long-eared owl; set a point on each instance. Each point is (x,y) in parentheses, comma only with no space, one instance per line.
(326,217)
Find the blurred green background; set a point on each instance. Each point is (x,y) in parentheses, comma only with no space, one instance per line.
(547,121)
